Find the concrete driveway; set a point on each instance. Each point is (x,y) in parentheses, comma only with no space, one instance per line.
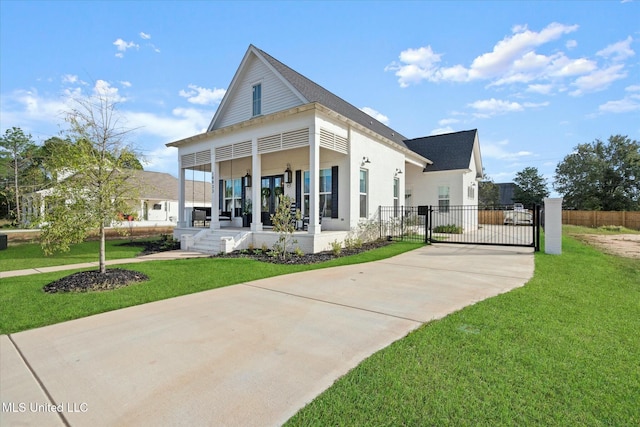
(246,355)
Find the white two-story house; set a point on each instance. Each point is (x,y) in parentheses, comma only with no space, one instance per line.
(277,132)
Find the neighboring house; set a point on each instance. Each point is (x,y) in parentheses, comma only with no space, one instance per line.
(277,132)
(506,191)
(156,204)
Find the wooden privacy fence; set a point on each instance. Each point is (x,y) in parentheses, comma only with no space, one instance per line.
(628,219)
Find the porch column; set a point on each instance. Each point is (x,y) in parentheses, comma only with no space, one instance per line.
(215,200)
(256,193)
(181,192)
(314,174)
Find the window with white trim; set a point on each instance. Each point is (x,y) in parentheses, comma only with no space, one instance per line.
(443,198)
(232,195)
(364,192)
(324,188)
(396,195)
(256,95)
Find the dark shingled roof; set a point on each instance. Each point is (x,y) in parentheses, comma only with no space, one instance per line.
(316,93)
(450,151)
(163,186)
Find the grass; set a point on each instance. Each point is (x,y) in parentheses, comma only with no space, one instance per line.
(30,255)
(25,305)
(562,350)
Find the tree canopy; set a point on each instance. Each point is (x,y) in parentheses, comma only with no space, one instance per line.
(17,150)
(601,175)
(488,192)
(96,188)
(531,187)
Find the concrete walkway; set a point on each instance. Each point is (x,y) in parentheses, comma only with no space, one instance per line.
(245,355)
(168,255)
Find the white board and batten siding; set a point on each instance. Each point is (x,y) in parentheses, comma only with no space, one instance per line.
(276,96)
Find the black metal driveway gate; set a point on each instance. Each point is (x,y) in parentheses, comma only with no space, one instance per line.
(498,225)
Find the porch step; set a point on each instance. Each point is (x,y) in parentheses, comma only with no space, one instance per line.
(213,241)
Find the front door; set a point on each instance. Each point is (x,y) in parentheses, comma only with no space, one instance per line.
(270,188)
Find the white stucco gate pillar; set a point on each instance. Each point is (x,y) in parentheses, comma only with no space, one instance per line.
(553,226)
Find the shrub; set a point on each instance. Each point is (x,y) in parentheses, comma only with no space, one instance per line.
(449,228)
(336,247)
(283,223)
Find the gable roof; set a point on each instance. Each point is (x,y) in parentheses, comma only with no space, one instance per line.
(449,151)
(313,92)
(309,92)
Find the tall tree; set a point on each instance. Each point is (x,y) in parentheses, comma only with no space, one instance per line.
(96,185)
(531,187)
(488,193)
(601,175)
(14,146)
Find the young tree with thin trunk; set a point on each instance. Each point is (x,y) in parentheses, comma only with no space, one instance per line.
(93,186)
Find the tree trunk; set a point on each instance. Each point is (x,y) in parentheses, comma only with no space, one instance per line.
(103,268)
(15,175)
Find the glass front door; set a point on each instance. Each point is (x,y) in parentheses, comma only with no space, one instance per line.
(270,188)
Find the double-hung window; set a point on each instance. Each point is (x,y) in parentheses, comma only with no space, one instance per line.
(324,189)
(256,93)
(443,198)
(364,191)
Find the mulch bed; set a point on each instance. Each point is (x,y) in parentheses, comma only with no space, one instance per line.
(292,258)
(86,281)
(154,246)
(115,278)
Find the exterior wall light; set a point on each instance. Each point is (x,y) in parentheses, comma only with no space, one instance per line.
(246,180)
(288,175)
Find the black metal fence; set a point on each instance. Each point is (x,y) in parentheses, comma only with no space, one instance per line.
(499,225)
(402,223)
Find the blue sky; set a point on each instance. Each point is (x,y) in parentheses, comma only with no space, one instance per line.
(535,78)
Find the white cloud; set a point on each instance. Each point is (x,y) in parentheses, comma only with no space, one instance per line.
(618,51)
(376,115)
(632,88)
(543,89)
(182,123)
(512,59)
(497,150)
(495,106)
(125,83)
(598,80)
(161,159)
(490,107)
(440,131)
(621,106)
(70,78)
(445,122)
(122,46)
(203,96)
(145,36)
(104,89)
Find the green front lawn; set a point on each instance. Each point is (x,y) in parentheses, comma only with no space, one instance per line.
(25,305)
(564,350)
(29,255)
